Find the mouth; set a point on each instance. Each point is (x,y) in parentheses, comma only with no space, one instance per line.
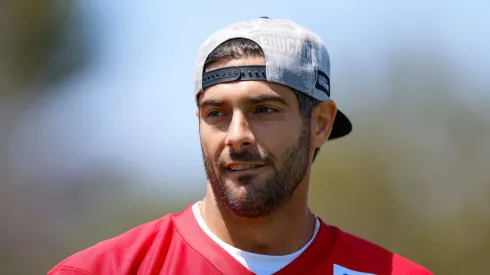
(243,167)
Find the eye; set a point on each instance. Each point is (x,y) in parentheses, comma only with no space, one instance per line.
(214,114)
(265,110)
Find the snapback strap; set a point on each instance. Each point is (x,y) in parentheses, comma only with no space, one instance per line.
(230,74)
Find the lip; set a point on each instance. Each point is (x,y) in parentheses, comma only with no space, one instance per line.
(230,164)
(244,172)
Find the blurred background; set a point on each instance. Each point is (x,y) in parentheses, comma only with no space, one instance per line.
(98,131)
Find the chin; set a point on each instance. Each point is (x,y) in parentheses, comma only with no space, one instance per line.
(242,209)
(247,201)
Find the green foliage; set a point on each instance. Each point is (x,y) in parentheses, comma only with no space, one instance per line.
(41,43)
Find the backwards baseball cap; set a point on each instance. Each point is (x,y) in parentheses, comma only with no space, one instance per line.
(294,56)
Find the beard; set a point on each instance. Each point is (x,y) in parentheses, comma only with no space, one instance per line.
(263,196)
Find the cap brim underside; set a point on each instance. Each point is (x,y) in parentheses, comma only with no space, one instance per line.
(341,126)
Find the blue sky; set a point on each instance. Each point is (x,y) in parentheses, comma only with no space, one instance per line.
(135,105)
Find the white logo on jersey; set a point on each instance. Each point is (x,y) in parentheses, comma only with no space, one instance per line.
(340,270)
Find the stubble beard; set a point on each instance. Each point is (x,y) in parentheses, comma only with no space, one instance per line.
(263,198)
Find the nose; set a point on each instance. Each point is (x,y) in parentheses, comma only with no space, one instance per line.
(239,133)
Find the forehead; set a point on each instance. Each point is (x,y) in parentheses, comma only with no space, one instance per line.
(243,90)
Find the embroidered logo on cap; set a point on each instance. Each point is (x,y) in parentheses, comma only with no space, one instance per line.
(323,82)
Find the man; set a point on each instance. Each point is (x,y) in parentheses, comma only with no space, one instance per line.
(262,90)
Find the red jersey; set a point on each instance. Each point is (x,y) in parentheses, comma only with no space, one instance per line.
(176,245)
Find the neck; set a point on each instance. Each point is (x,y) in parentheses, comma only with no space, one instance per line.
(284,232)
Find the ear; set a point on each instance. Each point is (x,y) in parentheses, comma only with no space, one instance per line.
(322,120)
(197,113)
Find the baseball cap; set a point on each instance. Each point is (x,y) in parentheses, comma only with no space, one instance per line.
(294,56)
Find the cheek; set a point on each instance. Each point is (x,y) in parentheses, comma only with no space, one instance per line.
(276,140)
(211,142)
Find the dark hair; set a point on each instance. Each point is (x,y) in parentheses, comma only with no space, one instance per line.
(242,48)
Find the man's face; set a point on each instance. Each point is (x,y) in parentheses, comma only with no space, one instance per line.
(254,141)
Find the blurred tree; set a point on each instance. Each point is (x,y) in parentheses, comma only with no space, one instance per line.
(40,42)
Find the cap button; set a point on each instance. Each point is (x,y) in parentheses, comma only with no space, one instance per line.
(264,17)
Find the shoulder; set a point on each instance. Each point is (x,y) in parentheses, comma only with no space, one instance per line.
(403,265)
(370,256)
(124,252)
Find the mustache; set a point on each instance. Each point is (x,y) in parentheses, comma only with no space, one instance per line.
(245,156)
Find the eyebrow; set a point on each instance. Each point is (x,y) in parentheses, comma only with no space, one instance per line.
(250,100)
